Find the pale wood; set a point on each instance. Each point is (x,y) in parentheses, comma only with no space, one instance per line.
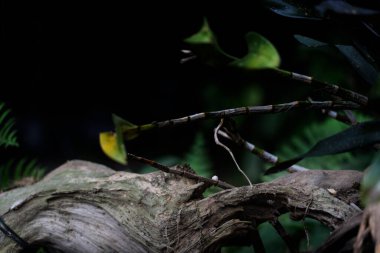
(86,207)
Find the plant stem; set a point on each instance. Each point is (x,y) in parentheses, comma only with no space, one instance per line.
(326,87)
(182,173)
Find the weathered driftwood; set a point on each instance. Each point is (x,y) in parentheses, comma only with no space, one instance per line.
(86,207)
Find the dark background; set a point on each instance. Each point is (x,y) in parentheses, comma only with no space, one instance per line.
(66,67)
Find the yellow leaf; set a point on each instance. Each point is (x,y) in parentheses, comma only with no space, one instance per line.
(112,148)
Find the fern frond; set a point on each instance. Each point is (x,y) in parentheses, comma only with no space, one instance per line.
(7,133)
(302,141)
(13,170)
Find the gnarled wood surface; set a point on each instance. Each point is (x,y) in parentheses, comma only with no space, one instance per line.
(86,207)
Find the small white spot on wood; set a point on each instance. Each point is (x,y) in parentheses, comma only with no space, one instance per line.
(215,178)
(331,191)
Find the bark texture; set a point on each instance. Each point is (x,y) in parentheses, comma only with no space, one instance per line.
(86,207)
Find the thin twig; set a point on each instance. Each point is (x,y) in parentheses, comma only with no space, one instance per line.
(234,136)
(306,234)
(284,235)
(133,130)
(182,173)
(13,235)
(229,151)
(326,87)
(259,109)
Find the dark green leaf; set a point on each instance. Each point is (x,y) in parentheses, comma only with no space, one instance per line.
(362,63)
(358,136)
(292,9)
(366,70)
(309,42)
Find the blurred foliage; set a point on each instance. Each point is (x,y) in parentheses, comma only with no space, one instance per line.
(7,132)
(198,157)
(370,186)
(14,170)
(317,233)
(301,142)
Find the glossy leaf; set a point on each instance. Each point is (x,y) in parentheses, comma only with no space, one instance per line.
(261,54)
(358,136)
(111,147)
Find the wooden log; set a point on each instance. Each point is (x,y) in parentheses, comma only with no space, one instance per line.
(86,207)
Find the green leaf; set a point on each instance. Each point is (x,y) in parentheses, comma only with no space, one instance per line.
(110,146)
(261,54)
(122,126)
(127,130)
(112,143)
(358,136)
(203,36)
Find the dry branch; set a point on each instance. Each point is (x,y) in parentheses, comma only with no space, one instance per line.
(85,207)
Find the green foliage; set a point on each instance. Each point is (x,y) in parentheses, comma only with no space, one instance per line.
(313,133)
(203,36)
(8,136)
(13,169)
(296,229)
(198,157)
(364,66)
(261,54)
